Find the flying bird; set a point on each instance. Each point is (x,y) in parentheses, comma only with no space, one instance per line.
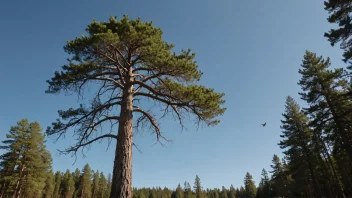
(264,124)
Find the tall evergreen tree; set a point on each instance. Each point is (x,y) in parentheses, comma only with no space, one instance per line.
(340,14)
(241,192)
(232,193)
(198,187)
(57,192)
(14,145)
(85,189)
(68,185)
(264,188)
(108,186)
(249,186)
(129,61)
(152,193)
(216,193)
(30,162)
(102,186)
(279,178)
(77,177)
(37,162)
(297,139)
(187,190)
(323,90)
(179,192)
(48,190)
(223,193)
(95,184)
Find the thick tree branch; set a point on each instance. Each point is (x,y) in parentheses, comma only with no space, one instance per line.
(121,55)
(107,118)
(107,79)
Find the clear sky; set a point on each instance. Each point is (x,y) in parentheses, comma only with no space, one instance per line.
(251,50)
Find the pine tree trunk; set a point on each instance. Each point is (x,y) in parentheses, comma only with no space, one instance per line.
(310,165)
(342,132)
(122,172)
(18,187)
(5,184)
(19,193)
(332,170)
(2,192)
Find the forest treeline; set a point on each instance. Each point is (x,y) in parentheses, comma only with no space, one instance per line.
(315,140)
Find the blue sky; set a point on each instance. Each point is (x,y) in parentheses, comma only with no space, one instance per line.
(251,50)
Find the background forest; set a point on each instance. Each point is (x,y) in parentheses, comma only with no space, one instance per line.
(316,142)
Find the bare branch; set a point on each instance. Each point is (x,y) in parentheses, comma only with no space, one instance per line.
(76,147)
(141,69)
(153,123)
(136,147)
(74,121)
(107,118)
(107,79)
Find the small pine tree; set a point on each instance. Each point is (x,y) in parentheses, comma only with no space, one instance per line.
(249,186)
(232,193)
(197,187)
(58,176)
(102,186)
(187,190)
(48,190)
(179,192)
(85,183)
(108,186)
(76,177)
(223,193)
(68,185)
(95,184)
(216,193)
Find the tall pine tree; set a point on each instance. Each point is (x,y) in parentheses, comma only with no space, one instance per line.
(68,185)
(129,61)
(85,187)
(48,190)
(323,90)
(102,186)
(26,163)
(249,186)
(198,187)
(95,184)
(297,140)
(340,14)
(57,192)
(223,193)
(187,190)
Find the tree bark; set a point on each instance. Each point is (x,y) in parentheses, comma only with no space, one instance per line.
(122,171)
(19,193)
(342,131)
(18,185)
